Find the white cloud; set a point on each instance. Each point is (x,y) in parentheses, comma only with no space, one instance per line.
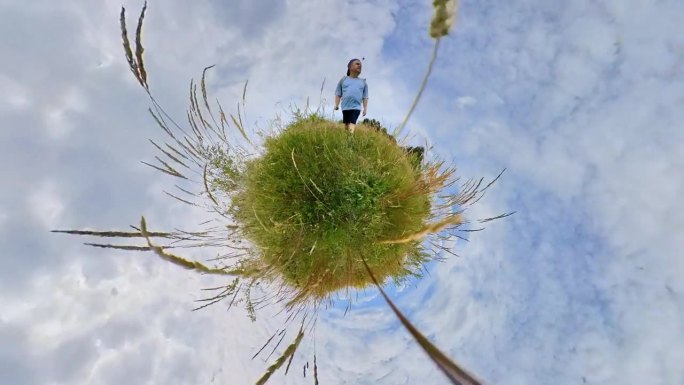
(57,116)
(465,101)
(45,204)
(87,335)
(14,94)
(601,141)
(3,218)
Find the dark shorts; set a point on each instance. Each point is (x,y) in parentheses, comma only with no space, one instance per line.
(350,116)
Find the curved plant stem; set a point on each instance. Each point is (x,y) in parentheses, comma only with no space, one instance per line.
(398,130)
(457,375)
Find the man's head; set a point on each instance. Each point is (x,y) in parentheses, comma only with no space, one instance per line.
(354,67)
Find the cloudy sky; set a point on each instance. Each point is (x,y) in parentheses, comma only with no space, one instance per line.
(581,101)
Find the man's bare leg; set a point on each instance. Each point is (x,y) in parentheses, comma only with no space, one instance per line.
(351,127)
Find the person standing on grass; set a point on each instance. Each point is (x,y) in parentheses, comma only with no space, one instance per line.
(352,91)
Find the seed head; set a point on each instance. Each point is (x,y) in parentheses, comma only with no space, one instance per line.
(443,19)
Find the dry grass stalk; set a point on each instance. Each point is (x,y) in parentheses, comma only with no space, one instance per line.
(176,260)
(442,21)
(135,63)
(289,352)
(419,94)
(455,373)
(454,219)
(115,234)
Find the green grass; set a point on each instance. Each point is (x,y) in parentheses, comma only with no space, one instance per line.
(320,200)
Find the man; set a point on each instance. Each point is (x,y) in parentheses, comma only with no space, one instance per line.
(352,91)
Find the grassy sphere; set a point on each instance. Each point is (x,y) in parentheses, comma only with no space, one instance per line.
(320,200)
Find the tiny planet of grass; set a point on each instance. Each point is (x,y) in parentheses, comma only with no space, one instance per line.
(323,209)
(320,201)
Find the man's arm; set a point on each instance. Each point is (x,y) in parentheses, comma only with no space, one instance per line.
(338,94)
(365,97)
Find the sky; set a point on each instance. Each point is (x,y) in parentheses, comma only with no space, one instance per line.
(581,103)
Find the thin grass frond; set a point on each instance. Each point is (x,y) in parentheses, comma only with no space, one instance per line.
(132,65)
(222,120)
(203,87)
(161,123)
(290,351)
(172,157)
(171,171)
(282,336)
(454,373)
(301,177)
(198,113)
(176,260)
(244,92)
(116,234)
(315,370)
(265,344)
(485,220)
(184,190)
(455,219)
(118,247)
(241,129)
(184,156)
(139,49)
(289,362)
(433,58)
(232,301)
(187,202)
(206,187)
(228,291)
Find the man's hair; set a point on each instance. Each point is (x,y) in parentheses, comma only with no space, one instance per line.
(349,64)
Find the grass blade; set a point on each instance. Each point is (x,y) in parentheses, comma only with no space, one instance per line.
(168,154)
(127,44)
(176,260)
(454,219)
(289,352)
(446,365)
(398,130)
(241,129)
(139,49)
(114,234)
(315,371)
